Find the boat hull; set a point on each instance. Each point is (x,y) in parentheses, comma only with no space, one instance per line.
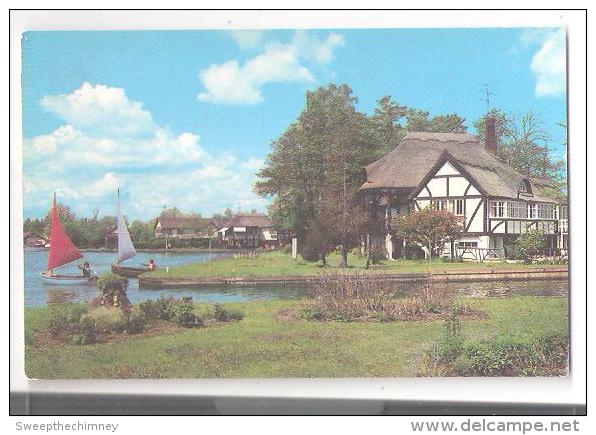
(68,279)
(127,271)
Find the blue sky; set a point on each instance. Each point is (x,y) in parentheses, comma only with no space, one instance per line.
(185,118)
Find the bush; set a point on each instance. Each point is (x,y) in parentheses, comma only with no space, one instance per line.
(107,321)
(288,248)
(86,332)
(184,315)
(112,291)
(351,297)
(64,319)
(135,322)
(530,245)
(222,314)
(504,356)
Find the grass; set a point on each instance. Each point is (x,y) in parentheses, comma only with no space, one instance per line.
(280,264)
(262,346)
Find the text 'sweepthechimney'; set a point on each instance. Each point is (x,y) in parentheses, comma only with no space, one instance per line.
(490,140)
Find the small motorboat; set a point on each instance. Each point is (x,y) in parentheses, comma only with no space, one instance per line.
(126,248)
(62,251)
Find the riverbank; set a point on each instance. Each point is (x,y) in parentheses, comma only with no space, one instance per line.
(261,346)
(280,268)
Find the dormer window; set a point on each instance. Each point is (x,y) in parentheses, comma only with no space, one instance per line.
(525,188)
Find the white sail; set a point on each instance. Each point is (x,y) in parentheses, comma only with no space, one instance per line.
(125,247)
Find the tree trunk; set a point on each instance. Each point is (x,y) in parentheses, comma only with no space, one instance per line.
(367,251)
(324,259)
(344,255)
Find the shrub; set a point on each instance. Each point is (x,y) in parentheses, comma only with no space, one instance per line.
(107,321)
(149,310)
(288,248)
(86,332)
(529,245)
(112,290)
(222,314)
(135,322)
(165,308)
(64,319)
(59,324)
(378,252)
(504,356)
(350,297)
(184,315)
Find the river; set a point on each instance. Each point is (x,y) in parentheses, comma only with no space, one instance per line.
(39,293)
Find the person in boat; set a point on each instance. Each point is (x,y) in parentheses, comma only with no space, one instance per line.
(86,268)
(151,265)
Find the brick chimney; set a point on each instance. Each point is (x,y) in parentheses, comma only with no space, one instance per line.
(490,137)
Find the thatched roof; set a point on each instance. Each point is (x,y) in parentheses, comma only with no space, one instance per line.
(248,220)
(183,222)
(406,166)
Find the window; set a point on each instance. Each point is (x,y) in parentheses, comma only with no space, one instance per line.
(516,209)
(439,204)
(532,211)
(525,187)
(456,206)
(497,209)
(546,211)
(467,244)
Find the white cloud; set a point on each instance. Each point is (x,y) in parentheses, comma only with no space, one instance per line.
(549,63)
(247,38)
(232,83)
(85,162)
(99,108)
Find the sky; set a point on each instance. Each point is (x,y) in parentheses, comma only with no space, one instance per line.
(186,118)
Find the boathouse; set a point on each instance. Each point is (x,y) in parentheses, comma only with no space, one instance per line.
(459,173)
(184,227)
(253,230)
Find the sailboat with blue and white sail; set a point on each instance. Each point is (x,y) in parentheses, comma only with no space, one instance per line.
(126,249)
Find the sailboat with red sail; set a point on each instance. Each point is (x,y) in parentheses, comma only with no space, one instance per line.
(62,251)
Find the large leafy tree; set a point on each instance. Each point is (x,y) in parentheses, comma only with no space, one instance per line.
(324,151)
(428,228)
(524,145)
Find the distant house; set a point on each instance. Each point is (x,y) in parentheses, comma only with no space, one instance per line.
(184,227)
(250,231)
(32,240)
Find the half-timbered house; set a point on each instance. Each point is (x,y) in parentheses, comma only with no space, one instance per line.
(459,173)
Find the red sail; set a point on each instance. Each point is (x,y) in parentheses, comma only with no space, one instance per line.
(62,250)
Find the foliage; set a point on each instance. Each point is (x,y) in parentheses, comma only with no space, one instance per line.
(350,297)
(427,227)
(112,291)
(184,315)
(524,145)
(316,166)
(263,346)
(529,245)
(222,314)
(542,355)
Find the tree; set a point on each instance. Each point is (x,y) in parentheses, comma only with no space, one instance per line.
(428,228)
(171,212)
(523,145)
(386,121)
(324,151)
(529,245)
(418,120)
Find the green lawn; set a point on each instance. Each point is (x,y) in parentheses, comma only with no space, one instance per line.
(261,346)
(279,263)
